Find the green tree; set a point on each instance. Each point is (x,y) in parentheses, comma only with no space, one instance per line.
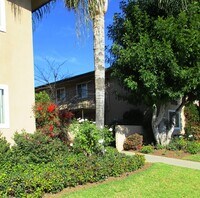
(156,58)
(91,10)
(173,6)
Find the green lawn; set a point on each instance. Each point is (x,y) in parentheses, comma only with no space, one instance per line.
(193,158)
(160,180)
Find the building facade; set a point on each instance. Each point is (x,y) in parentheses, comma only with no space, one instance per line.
(16,66)
(78,95)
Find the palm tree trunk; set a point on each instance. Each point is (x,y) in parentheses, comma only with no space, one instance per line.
(99,62)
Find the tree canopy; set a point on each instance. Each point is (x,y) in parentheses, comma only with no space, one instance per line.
(155,55)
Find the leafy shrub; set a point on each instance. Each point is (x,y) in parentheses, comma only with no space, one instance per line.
(88,138)
(42,97)
(4,149)
(51,121)
(159,147)
(192,115)
(193,131)
(36,148)
(33,180)
(178,143)
(133,141)
(193,147)
(147,149)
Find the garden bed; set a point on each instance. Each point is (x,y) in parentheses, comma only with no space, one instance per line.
(167,153)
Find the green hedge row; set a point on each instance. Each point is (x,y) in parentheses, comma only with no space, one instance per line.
(33,180)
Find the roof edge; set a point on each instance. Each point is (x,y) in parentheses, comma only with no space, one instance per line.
(36,4)
(74,77)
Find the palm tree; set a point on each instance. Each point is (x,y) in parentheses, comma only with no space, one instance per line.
(93,10)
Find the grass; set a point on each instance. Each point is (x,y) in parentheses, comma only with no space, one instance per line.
(160,180)
(195,157)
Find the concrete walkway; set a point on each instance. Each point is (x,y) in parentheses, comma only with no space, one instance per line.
(167,160)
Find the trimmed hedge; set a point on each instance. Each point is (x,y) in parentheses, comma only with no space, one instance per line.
(33,180)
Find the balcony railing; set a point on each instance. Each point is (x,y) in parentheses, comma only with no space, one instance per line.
(79,103)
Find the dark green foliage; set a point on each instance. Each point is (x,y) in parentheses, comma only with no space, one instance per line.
(147,149)
(4,149)
(33,180)
(192,115)
(193,147)
(177,144)
(164,8)
(133,142)
(38,164)
(156,58)
(36,148)
(180,143)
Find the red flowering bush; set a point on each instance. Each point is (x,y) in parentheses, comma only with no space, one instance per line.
(51,121)
(51,108)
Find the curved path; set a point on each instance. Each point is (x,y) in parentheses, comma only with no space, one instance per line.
(167,160)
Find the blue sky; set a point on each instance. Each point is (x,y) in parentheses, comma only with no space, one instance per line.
(55,39)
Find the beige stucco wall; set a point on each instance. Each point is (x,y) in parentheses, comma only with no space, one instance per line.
(16,66)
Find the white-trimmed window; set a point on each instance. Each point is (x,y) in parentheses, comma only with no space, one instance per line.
(60,95)
(178,119)
(2,16)
(82,90)
(4,107)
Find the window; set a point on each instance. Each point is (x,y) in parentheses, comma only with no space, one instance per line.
(4,111)
(82,90)
(170,114)
(2,16)
(60,95)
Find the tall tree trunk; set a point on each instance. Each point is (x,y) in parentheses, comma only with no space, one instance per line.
(163,130)
(162,133)
(99,61)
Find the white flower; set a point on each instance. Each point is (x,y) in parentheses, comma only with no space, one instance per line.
(86,119)
(180,136)
(190,136)
(71,144)
(94,122)
(101,141)
(110,129)
(81,120)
